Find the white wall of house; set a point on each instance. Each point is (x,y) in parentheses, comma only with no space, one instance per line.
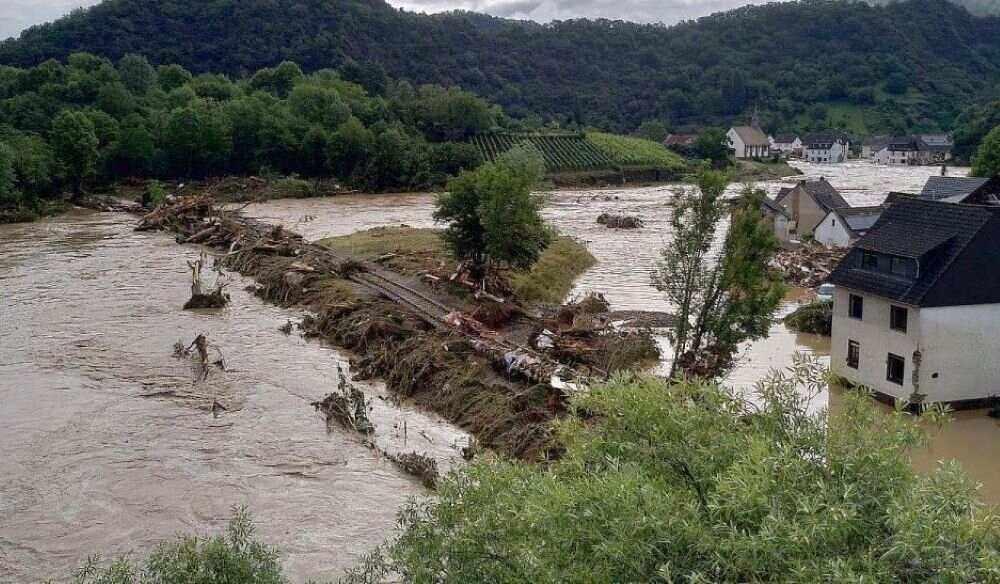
(736,143)
(958,346)
(876,339)
(961,346)
(781,228)
(899,157)
(787,147)
(836,153)
(832,232)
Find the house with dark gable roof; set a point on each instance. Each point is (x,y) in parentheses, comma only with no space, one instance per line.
(916,312)
(962,189)
(827,147)
(807,203)
(844,225)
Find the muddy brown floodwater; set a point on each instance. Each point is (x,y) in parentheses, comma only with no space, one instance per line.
(107,444)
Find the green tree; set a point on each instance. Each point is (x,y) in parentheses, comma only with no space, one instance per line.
(987,160)
(197,139)
(137,74)
(115,100)
(9,195)
(349,147)
(654,130)
(722,296)
(493,216)
(74,143)
(172,77)
(711,146)
(318,105)
(135,148)
(686,482)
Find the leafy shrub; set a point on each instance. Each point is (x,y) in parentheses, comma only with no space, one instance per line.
(233,557)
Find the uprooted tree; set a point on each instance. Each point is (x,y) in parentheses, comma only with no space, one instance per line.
(724,295)
(494,219)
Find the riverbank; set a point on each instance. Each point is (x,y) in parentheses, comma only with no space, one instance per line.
(753,171)
(477,361)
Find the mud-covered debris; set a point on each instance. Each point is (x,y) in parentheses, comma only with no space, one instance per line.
(807,266)
(216,298)
(347,406)
(815,318)
(418,465)
(613,221)
(287,327)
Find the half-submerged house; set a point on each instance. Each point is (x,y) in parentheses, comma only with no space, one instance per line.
(748,142)
(844,225)
(916,309)
(807,203)
(787,145)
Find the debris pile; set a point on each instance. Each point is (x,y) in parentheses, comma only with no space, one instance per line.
(216,298)
(613,221)
(347,406)
(807,266)
(583,332)
(418,465)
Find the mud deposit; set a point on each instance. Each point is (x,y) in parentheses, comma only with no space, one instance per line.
(108,445)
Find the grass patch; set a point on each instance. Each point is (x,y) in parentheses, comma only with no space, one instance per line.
(631,151)
(752,170)
(552,276)
(411,251)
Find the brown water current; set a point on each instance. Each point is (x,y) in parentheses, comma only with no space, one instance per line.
(107,444)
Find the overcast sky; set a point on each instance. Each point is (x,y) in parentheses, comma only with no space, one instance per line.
(16,15)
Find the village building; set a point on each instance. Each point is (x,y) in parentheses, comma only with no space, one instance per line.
(956,189)
(872,145)
(807,204)
(920,149)
(748,142)
(917,305)
(844,225)
(827,147)
(787,145)
(776,216)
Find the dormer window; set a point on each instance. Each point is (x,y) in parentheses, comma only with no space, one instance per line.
(869,260)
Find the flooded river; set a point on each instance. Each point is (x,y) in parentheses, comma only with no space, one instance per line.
(107,443)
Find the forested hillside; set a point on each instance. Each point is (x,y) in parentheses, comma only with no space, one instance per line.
(67,126)
(909,65)
(977,7)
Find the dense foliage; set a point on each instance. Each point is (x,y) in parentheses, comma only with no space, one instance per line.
(687,483)
(909,66)
(972,126)
(987,160)
(236,556)
(493,216)
(87,121)
(724,295)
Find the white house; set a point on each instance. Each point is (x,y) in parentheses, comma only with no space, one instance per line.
(917,305)
(913,150)
(828,147)
(787,145)
(778,218)
(844,225)
(870,146)
(748,142)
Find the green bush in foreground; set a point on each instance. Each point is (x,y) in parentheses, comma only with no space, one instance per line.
(233,558)
(815,318)
(686,483)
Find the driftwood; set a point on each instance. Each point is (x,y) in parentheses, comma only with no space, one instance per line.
(217,298)
(619,221)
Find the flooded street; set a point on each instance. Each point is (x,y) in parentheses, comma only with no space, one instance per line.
(107,443)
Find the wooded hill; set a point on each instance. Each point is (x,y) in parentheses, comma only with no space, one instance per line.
(910,65)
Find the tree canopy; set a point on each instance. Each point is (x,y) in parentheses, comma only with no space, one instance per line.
(987,160)
(89,121)
(686,482)
(810,64)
